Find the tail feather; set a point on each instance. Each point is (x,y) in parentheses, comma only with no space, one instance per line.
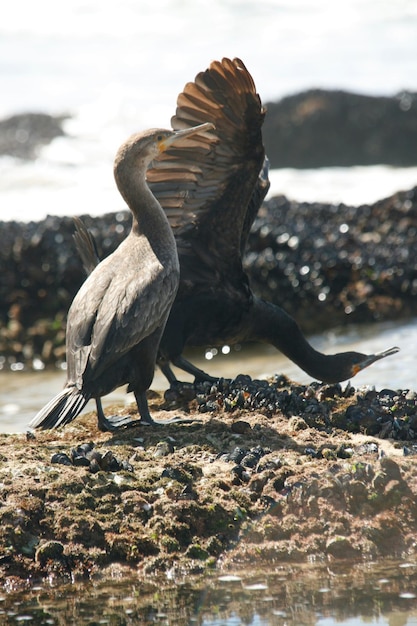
(62,409)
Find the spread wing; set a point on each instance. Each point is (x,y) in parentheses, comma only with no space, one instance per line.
(205,184)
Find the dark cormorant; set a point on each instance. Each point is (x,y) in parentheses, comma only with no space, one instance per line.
(116,319)
(211,215)
(211,202)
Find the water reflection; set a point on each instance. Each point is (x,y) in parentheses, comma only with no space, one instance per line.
(322,595)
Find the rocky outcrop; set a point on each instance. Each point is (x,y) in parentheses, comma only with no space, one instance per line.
(24,134)
(324,264)
(321,128)
(298,477)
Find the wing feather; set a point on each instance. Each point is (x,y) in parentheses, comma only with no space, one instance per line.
(205,183)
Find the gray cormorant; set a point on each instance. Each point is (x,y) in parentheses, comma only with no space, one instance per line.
(116,320)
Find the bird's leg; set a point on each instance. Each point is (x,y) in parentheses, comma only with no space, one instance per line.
(182,363)
(115,422)
(169,374)
(146,418)
(143,408)
(111,424)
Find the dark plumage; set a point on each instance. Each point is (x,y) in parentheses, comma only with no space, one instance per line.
(116,319)
(211,201)
(211,222)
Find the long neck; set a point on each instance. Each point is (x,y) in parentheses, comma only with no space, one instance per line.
(148,217)
(271,324)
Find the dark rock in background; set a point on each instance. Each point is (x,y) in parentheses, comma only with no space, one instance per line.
(40,274)
(324,264)
(321,128)
(24,134)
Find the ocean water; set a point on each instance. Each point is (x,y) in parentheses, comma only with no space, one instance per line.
(320,594)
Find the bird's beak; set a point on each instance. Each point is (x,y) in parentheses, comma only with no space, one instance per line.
(186,132)
(374,357)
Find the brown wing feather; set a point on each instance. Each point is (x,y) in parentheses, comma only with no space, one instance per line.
(205,183)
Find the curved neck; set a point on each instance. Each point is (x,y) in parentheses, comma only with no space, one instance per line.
(148,216)
(271,324)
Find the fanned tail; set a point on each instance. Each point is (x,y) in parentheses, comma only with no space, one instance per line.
(62,409)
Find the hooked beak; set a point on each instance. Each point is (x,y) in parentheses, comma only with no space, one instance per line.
(375,357)
(186,132)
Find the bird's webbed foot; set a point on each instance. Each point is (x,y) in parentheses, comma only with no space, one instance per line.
(199,375)
(172,420)
(115,422)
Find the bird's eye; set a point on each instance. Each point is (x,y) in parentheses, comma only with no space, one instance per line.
(159,138)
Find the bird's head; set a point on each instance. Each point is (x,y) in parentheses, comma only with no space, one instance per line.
(135,155)
(141,148)
(351,363)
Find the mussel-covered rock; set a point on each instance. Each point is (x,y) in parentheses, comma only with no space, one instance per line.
(85,455)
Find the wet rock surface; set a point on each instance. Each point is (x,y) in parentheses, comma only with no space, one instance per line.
(387,414)
(316,472)
(326,265)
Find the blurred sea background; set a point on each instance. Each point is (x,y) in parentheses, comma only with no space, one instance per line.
(116,68)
